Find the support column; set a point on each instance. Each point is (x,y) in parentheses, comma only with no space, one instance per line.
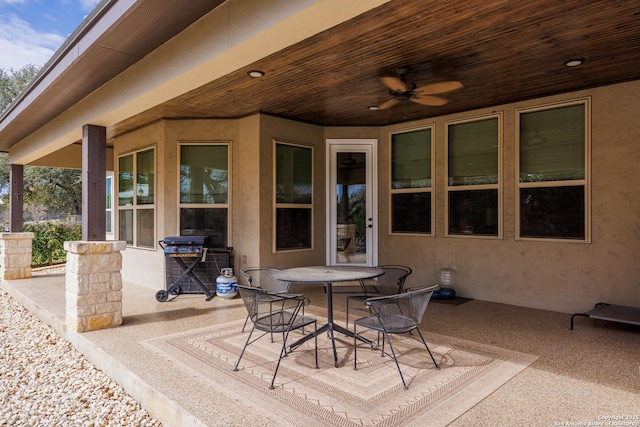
(93,284)
(16,206)
(94,170)
(15,255)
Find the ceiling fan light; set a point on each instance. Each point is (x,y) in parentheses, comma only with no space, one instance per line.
(255,73)
(373,108)
(574,62)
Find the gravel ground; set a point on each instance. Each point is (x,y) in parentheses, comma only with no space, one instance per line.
(44,381)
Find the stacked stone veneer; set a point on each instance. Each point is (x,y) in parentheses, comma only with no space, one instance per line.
(15,255)
(93,284)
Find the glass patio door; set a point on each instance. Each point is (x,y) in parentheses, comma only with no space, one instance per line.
(352,205)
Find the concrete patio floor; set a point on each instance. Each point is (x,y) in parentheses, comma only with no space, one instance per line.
(586,375)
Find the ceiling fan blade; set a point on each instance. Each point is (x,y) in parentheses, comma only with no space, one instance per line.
(388,104)
(429,100)
(437,88)
(395,84)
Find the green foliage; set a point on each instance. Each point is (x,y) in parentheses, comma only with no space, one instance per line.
(48,240)
(12,82)
(51,191)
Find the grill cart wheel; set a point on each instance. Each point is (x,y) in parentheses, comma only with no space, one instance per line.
(162,295)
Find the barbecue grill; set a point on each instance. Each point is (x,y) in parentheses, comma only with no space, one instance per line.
(191,266)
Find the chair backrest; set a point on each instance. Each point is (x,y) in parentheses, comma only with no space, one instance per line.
(392,281)
(262,277)
(269,315)
(411,304)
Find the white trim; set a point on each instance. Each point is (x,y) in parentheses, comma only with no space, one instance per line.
(586,182)
(499,186)
(430,189)
(275,205)
(227,205)
(370,147)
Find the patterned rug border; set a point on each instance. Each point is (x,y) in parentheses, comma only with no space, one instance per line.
(444,410)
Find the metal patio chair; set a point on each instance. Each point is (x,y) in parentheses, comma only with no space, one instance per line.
(262,277)
(390,283)
(395,314)
(271,316)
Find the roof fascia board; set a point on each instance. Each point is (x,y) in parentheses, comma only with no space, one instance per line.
(234,35)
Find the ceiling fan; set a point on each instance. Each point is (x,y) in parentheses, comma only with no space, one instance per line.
(402,90)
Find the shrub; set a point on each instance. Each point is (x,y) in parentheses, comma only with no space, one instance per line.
(48,240)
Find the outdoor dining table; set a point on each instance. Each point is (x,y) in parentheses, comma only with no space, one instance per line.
(327,275)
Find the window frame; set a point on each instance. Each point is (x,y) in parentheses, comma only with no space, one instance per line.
(279,205)
(414,190)
(109,205)
(585,182)
(226,206)
(476,187)
(135,207)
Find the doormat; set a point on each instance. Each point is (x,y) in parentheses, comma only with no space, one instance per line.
(454,301)
(373,395)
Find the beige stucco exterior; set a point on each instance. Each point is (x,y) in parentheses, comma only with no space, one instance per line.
(560,276)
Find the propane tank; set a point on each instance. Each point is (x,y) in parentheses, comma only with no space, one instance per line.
(226,284)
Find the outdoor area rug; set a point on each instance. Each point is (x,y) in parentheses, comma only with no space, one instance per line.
(371,396)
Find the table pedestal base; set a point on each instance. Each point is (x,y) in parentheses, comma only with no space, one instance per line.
(330,328)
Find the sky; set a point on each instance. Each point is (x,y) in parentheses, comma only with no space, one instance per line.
(32,30)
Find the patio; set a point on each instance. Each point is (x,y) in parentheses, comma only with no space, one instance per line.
(579,376)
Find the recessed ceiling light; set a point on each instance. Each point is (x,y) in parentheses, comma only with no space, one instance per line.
(255,73)
(574,62)
(373,108)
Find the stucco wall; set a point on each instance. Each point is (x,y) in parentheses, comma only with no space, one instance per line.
(273,128)
(560,276)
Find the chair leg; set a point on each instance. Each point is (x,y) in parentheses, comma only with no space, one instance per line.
(235,368)
(315,337)
(245,323)
(395,359)
(348,315)
(355,348)
(427,347)
(283,353)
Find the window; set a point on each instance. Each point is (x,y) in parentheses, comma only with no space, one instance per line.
(473,177)
(293,196)
(411,195)
(204,191)
(553,152)
(109,204)
(136,198)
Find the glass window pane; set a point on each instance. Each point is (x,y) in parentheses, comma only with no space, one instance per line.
(552,144)
(210,222)
(204,174)
(411,213)
(411,159)
(473,152)
(473,212)
(125,226)
(145,227)
(108,186)
(125,180)
(145,177)
(293,174)
(293,228)
(554,212)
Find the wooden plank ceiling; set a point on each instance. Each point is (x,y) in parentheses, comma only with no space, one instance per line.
(501,50)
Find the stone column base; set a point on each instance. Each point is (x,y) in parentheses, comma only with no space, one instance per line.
(15,255)
(93,284)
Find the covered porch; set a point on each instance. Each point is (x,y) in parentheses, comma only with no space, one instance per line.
(579,376)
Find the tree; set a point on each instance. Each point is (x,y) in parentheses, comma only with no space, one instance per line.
(48,192)
(12,82)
